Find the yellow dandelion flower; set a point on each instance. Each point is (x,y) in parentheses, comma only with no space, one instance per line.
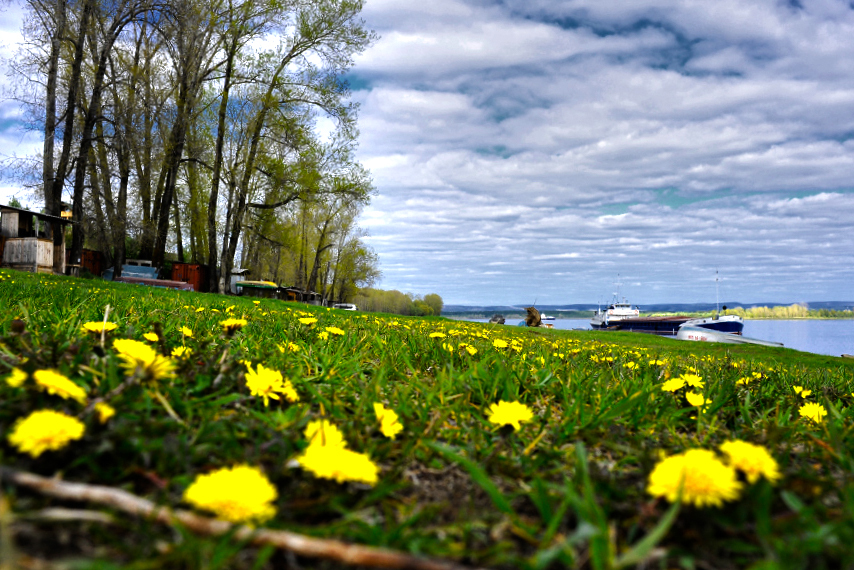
(323,335)
(438,335)
(697,400)
(200,309)
(471,350)
(308,320)
(239,494)
(182,352)
(57,384)
(693,380)
(187,332)
(801,392)
(45,430)
(339,464)
(139,358)
(509,413)
(264,382)
(743,381)
(673,384)
(321,432)
(498,343)
(105,411)
(703,478)
(257,302)
(16,378)
(99,327)
(334,330)
(752,460)
(813,412)
(151,337)
(290,347)
(230,326)
(390,425)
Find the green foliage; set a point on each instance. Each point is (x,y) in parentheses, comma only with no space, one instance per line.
(568,489)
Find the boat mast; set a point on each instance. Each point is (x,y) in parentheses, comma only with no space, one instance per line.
(717,299)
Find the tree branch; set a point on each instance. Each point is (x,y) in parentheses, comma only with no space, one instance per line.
(302,545)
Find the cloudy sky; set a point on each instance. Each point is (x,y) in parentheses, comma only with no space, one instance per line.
(535,149)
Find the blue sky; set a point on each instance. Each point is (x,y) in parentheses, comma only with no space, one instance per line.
(535,149)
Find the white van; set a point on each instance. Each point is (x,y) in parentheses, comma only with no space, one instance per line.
(345,306)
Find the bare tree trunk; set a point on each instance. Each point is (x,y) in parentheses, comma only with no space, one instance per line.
(56,35)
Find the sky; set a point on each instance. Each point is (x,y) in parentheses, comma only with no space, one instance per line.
(542,150)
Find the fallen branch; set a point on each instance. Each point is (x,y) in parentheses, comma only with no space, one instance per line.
(297,543)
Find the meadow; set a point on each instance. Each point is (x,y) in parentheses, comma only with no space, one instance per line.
(145,428)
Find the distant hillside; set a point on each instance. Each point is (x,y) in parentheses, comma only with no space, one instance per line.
(584,309)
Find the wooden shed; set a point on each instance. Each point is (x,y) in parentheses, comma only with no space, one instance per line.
(194,273)
(23,241)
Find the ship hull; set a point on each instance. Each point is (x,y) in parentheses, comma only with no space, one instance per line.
(669,326)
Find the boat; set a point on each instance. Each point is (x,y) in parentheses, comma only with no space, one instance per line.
(702,334)
(546,317)
(668,326)
(621,316)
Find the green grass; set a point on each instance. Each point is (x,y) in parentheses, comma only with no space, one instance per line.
(566,490)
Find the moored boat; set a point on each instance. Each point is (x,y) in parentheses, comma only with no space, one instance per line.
(701,334)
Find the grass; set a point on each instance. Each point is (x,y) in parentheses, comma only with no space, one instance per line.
(568,489)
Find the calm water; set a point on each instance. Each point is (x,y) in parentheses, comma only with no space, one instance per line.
(821,337)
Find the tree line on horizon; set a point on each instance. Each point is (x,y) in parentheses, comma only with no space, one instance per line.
(190,127)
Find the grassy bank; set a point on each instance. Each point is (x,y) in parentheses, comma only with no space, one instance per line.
(589,477)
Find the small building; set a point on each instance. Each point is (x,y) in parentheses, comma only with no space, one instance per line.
(236,276)
(24,244)
(195,274)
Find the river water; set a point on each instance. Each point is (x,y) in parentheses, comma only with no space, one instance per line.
(832,337)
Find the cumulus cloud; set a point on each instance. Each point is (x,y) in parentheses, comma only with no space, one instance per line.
(537,148)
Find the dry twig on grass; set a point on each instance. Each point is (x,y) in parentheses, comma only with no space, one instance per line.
(297,543)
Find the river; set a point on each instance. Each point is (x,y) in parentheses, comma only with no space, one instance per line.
(832,337)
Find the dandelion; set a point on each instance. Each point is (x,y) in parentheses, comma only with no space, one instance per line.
(182,352)
(703,479)
(151,337)
(509,413)
(231,326)
(321,432)
(56,384)
(693,380)
(335,331)
(673,384)
(697,400)
(138,357)
(239,494)
(323,335)
(471,350)
(45,430)
(438,335)
(752,460)
(743,381)
(97,327)
(498,343)
(339,464)
(308,320)
(187,332)
(290,347)
(801,392)
(812,411)
(389,422)
(16,378)
(257,303)
(268,383)
(105,411)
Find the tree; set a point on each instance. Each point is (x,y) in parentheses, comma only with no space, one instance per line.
(435,303)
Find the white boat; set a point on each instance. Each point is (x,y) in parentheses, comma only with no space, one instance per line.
(616,312)
(700,334)
(546,317)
